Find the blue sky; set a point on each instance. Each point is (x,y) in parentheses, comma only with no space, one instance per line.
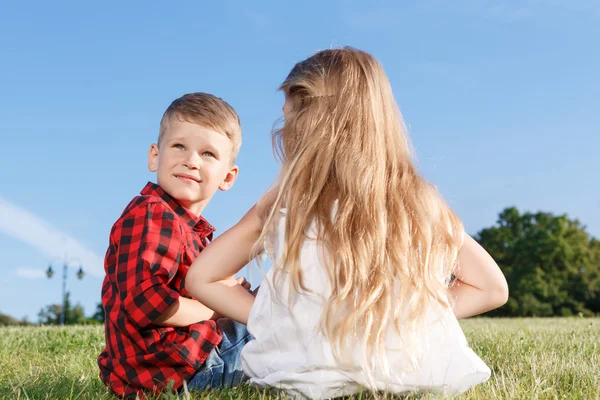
(500,97)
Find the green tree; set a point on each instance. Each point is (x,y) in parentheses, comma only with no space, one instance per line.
(8,320)
(551,263)
(99,315)
(73,315)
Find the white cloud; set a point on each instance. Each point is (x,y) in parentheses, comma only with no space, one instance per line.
(40,234)
(30,273)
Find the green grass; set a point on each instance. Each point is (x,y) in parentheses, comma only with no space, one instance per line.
(530,359)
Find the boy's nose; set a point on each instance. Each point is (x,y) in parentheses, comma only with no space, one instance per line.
(192,161)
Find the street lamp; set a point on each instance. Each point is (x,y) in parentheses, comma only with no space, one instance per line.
(50,272)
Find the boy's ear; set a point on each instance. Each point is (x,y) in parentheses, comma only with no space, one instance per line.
(153,157)
(229,178)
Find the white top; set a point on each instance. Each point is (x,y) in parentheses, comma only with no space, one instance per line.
(290,353)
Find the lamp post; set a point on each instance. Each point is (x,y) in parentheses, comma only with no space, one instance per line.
(49,272)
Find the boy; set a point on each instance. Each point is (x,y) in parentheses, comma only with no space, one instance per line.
(155,332)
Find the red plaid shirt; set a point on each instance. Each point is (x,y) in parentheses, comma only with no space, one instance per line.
(151,248)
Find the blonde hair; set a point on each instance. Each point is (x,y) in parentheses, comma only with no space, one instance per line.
(206,110)
(347,165)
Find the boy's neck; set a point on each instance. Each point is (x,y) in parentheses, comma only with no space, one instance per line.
(194,209)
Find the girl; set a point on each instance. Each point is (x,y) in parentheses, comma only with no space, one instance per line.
(363,250)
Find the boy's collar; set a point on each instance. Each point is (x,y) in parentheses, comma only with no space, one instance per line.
(199,224)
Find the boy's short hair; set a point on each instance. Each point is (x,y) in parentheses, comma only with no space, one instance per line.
(209,111)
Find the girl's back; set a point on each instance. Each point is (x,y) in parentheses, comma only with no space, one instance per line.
(290,351)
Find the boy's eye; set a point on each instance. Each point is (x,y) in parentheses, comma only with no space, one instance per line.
(209,154)
(179,146)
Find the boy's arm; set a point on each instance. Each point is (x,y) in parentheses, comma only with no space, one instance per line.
(189,311)
(185,312)
(148,259)
(480,285)
(227,254)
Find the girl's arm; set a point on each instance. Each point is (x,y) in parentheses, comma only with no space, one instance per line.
(480,285)
(207,279)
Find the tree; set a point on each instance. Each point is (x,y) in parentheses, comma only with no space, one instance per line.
(73,315)
(99,315)
(8,320)
(551,263)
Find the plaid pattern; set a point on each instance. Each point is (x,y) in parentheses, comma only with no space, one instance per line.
(152,246)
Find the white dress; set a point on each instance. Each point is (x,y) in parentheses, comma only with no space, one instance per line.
(290,353)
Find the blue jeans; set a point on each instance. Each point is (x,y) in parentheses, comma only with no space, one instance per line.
(223,367)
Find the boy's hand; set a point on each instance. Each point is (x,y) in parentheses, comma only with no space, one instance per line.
(245,284)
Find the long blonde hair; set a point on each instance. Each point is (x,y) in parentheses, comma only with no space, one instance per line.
(391,240)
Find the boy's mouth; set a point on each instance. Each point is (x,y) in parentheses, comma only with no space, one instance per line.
(187,178)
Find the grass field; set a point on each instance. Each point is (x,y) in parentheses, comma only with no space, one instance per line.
(530,359)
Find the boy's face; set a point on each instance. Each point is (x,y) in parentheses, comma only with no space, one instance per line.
(191,163)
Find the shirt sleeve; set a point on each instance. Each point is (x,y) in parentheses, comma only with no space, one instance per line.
(149,253)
